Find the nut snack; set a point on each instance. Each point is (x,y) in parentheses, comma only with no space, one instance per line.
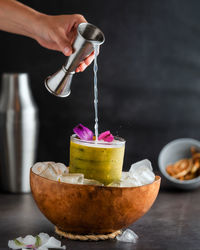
(186,169)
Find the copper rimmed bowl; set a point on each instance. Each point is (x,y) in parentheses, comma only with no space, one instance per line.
(87,209)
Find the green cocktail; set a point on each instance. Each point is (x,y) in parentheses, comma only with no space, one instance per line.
(98,160)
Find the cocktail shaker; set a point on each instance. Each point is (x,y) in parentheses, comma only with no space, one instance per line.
(88,36)
(18,132)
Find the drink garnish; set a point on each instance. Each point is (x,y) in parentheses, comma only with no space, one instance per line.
(106,136)
(83,133)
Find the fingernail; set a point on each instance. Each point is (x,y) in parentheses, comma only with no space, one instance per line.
(66,51)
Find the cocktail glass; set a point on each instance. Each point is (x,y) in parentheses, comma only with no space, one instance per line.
(98,160)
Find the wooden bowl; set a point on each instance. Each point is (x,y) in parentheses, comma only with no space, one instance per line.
(85,209)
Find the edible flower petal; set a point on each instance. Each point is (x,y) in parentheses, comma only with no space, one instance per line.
(106,136)
(40,242)
(83,133)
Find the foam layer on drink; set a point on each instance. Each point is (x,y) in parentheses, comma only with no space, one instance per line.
(116,143)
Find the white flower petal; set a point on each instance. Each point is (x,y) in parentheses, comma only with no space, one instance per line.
(13,244)
(28,240)
(45,242)
(42,248)
(20,239)
(44,238)
(54,243)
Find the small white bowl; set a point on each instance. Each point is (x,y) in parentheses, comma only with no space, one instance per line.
(174,151)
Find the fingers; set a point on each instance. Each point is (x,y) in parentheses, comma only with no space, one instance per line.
(67,51)
(83,65)
(88,60)
(63,44)
(79,19)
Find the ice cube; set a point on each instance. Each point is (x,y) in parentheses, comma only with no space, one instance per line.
(114,184)
(39,167)
(59,168)
(130,182)
(50,170)
(124,175)
(142,172)
(128,236)
(92,182)
(138,164)
(49,173)
(72,178)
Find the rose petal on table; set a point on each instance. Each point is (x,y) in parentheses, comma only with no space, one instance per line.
(83,133)
(106,136)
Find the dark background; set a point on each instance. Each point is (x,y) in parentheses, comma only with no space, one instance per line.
(148,78)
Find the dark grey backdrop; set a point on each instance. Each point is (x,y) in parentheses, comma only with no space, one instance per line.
(149,75)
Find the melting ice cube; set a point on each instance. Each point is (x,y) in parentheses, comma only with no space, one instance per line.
(128,236)
(114,184)
(142,172)
(50,170)
(130,182)
(92,182)
(72,178)
(124,175)
(59,168)
(39,167)
(49,173)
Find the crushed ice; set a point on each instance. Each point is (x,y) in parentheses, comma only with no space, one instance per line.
(139,174)
(40,242)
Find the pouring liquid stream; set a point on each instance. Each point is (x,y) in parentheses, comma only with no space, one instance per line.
(95,69)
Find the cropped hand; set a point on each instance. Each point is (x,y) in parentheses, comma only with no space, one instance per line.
(58,33)
(52,32)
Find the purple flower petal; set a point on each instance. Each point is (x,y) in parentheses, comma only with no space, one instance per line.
(30,246)
(83,133)
(106,136)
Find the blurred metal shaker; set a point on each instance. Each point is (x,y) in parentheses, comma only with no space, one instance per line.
(18,133)
(88,35)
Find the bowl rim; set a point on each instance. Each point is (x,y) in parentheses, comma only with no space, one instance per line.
(157,179)
(163,169)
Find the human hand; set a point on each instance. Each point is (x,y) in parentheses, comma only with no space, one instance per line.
(58,33)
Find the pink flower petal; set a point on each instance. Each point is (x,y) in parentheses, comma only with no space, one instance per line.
(83,133)
(106,136)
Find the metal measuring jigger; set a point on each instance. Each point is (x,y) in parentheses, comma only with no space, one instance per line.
(88,35)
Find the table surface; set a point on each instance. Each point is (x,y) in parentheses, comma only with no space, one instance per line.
(172,223)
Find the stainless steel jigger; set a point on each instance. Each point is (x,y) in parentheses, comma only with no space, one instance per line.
(87,36)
